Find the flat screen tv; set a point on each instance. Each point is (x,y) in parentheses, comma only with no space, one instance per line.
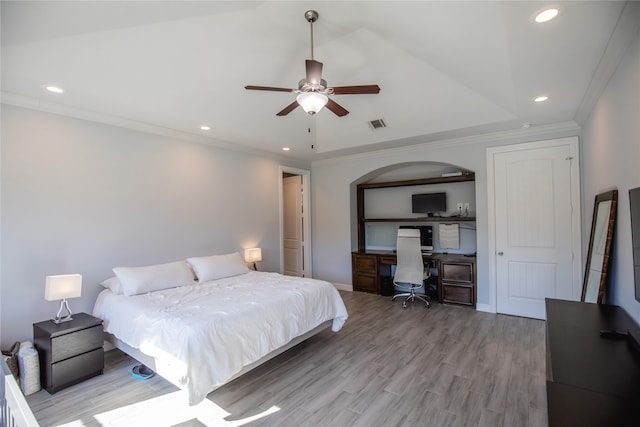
(429,203)
(634,203)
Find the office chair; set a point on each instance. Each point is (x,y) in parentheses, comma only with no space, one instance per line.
(410,274)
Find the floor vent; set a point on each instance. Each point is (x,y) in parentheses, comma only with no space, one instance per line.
(377,124)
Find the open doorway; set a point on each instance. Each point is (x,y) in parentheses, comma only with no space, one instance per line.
(295,222)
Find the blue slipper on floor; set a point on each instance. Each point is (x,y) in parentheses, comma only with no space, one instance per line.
(141,372)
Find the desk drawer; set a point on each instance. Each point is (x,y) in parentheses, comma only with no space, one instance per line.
(365,263)
(391,260)
(458,294)
(457,272)
(365,283)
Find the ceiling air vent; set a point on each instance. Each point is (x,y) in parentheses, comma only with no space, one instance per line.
(377,124)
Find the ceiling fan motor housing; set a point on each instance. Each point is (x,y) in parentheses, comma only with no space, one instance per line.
(305,86)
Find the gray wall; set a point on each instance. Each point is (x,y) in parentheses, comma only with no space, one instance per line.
(611,159)
(82,197)
(333,196)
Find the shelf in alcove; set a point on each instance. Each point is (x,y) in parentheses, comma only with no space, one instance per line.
(424,181)
(423,219)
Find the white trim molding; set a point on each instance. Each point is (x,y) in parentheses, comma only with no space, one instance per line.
(306,208)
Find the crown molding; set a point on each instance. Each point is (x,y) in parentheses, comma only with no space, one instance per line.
(535,133)
(570,128)
(107,119)
(621,38)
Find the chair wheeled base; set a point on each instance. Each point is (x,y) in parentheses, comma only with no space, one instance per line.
(411,296)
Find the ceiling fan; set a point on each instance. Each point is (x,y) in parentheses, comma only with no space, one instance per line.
(313,90)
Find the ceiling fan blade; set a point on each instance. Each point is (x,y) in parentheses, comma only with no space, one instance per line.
(336,108)
(356,90)
(314,71)
(275,89)
(289,108)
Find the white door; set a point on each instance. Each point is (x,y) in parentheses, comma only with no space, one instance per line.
(537,225)
(292,226)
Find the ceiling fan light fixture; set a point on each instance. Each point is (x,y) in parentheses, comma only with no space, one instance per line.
(312,102)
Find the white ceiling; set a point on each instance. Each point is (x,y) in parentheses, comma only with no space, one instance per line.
(446,69)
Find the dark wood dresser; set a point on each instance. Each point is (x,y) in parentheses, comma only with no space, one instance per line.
(591,380)
(69,352)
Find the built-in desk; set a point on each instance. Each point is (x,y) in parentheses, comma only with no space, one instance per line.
(591,381)
(456,274)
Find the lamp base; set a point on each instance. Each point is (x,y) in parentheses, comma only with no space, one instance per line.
(59,319)
(62,319)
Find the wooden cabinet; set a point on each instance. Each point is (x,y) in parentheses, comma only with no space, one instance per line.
(456,274)
(69,352)
(364,269)
(457,282)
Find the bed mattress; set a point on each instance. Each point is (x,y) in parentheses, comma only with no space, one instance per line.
(202,334)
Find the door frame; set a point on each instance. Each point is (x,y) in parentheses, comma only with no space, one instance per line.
(572,142)
(306,207)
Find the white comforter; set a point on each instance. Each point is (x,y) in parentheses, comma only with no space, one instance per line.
(203,334)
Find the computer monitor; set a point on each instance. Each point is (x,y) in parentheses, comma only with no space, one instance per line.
(429,203)
(426,236)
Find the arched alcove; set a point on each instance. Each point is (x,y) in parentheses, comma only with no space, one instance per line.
(401,172)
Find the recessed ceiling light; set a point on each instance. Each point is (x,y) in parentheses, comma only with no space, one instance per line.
(540,98)
(54,89)
(205,127)
(286,148)
(546,15)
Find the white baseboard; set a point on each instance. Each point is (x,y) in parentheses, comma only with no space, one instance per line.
(487,308)
(343,287)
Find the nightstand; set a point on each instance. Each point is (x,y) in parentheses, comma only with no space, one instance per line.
(69,352)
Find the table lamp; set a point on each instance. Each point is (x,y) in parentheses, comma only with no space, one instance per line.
(62,287)
(253,255)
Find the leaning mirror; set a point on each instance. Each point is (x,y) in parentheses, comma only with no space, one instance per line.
(602,226)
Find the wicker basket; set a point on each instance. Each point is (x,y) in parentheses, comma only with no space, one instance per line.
(12,359)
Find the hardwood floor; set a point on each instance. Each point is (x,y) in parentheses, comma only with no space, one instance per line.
(445,366)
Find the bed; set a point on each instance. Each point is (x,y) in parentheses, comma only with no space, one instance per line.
(202,333)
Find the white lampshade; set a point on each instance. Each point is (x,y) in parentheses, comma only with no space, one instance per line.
(62,287)
(253,254)
(312,102)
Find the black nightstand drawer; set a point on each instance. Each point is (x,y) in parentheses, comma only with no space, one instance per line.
(69,345)
(77,369)
(69,352)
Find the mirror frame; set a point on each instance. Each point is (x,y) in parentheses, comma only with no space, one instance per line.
(610,224)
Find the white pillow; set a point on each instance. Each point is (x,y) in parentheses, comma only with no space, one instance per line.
(113,283)
(218,266)
(139,280)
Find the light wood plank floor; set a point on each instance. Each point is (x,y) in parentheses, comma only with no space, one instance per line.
(446,366)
